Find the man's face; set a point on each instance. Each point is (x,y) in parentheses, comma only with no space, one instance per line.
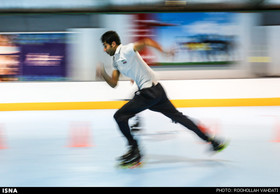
(109,49)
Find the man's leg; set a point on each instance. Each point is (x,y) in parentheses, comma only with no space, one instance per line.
(167,108)
(170,111)
(134,106)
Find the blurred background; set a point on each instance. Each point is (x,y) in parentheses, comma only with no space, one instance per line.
(60,40)
(51,101)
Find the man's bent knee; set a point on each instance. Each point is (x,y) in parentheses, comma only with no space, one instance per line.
(119,117)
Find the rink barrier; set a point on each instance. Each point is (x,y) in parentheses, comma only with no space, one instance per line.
(183,103)
(18,96)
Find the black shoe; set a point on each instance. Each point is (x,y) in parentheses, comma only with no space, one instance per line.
(133,150)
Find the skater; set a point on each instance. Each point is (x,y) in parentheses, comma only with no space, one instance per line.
(151,95)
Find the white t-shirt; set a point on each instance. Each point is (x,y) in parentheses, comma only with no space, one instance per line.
(129,63)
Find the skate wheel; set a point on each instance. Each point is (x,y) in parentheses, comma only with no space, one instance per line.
(131,166)
(137,165)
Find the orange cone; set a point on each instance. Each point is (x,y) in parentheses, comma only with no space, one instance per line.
(80,135)
(203,128)
(2,139)
(277,132)
(212,129)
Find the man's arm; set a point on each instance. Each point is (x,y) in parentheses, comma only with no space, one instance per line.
(112,81)
(139,45)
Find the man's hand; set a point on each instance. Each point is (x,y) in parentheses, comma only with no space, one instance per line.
(169,53)
(111,80)
(100,70)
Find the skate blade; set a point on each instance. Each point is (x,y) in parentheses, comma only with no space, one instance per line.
(131,166)
(136,129)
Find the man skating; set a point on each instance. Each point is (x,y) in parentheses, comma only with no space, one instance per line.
(151,95)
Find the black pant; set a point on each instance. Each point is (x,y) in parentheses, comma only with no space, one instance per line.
(155,99)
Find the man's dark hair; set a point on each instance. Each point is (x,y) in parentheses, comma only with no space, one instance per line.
(111,36)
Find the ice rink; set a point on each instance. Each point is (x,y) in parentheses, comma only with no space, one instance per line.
(79,148)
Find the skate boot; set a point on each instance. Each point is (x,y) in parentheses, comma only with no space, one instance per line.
(217,145)
(137,126)
(128,153)
(131,159)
